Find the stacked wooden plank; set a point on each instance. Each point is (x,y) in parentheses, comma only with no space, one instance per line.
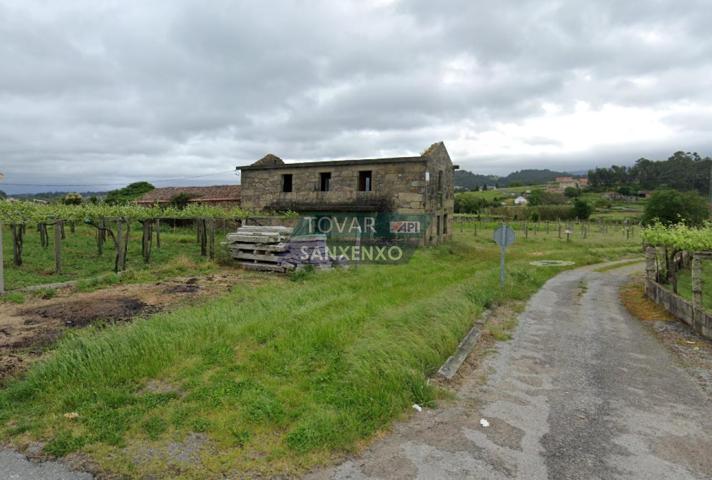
(273,248)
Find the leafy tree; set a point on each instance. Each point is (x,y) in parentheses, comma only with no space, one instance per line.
(3,195)
(582,210)
(671,206)
(542,197)
(129,193)
(572,192)
(72,199)
(180,201)
(625,190)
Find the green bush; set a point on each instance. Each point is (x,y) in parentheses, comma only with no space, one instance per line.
(582,210)
(670,207)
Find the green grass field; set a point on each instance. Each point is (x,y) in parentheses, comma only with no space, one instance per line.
(279,377)
(81,261)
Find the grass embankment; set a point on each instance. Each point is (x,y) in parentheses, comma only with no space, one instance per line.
(280,377)
(81,261)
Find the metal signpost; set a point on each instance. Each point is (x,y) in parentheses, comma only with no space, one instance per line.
(504,236)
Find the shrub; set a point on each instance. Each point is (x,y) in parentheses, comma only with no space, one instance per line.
(572,192)
(670,207)
(542,197)
(582,210)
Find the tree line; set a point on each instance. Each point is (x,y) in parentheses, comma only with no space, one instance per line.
(683,171)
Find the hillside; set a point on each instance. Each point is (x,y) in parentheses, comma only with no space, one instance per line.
(468,180)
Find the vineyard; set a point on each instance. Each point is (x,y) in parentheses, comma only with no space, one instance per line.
(676,247)
(82,235)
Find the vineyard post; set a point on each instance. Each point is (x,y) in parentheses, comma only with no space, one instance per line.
(147,240)
(211,240)
(2,271)
(58,227)
(100,234)
(697,280)
(119,245)
(158,233)
(203,237)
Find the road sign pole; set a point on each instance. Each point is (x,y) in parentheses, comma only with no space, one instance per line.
(504,236)
(501,267)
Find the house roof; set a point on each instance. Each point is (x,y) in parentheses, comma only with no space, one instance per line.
(215,193)
(335,163)
(269,161)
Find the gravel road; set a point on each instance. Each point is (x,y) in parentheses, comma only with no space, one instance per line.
(14,466)
(582,391)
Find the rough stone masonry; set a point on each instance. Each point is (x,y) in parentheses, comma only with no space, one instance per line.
(421,184)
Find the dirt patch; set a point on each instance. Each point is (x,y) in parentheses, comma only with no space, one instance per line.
(184,288)
(80,313)
(28,330)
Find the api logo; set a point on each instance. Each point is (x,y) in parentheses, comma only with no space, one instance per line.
(409,226)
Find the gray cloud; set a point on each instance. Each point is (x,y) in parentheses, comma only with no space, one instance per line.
(106,92)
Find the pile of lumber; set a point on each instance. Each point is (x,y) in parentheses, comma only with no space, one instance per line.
(273,248)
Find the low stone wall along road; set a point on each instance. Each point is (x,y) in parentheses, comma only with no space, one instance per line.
(583,391)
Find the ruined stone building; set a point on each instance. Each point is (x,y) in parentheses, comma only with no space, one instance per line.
(402,185)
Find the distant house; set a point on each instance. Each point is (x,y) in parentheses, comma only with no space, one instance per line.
(219,195)
(562,183)
(520,200)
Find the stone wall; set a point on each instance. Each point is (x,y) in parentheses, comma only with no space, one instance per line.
(396,186)
(690,312)
(440,194)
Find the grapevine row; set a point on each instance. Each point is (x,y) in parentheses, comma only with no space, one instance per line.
(27,212)
(679,237)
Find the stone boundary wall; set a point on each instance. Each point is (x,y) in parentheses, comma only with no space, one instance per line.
(690,312)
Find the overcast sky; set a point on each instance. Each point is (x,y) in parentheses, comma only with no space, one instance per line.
(179,92)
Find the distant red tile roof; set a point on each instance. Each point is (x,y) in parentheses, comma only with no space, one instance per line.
(212,194)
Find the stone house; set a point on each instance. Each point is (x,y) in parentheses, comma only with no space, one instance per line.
(421,184)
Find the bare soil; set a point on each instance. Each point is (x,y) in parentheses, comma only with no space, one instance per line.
(28,330)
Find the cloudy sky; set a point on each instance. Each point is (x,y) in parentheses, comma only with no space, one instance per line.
(98,93)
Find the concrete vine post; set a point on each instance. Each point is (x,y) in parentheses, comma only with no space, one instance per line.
(211,239)
(147,240)
(203,237)
(119,245)
(651,269)
(58,228)
(697,280)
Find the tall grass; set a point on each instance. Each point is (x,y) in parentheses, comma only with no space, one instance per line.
(279,376)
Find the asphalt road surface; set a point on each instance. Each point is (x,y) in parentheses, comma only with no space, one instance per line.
(583,391)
